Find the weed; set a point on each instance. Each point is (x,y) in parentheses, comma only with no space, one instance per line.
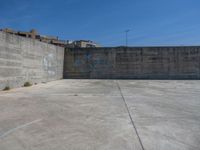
(27,84)
(7,88)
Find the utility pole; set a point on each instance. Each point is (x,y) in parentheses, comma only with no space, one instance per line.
(127,31)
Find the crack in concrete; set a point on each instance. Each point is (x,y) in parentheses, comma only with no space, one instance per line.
(132,122)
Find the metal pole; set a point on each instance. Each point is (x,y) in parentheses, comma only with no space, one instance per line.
(127,37)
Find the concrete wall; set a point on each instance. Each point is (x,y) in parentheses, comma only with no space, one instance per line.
(27,60)
(133,63)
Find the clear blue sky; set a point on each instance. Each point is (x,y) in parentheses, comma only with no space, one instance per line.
(152,22)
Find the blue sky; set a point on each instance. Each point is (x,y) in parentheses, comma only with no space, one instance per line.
(152,22)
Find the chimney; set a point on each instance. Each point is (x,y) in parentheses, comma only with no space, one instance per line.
(33,33)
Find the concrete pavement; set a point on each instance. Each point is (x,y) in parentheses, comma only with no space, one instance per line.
(102,115)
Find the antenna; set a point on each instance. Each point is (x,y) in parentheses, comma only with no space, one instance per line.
(127,31)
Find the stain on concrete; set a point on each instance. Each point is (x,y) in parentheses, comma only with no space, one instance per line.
(48,63)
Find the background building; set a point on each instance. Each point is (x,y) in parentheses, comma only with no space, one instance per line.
(52,39)
(85,44)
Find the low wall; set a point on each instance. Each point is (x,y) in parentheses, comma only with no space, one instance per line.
(133,63)
(27,60)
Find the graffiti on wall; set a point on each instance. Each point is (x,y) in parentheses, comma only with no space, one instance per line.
(48,64)
(91,62)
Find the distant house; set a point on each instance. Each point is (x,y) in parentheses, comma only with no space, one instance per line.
(51,39)
(35,35)
(85,44)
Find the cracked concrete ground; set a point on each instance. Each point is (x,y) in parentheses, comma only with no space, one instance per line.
(102,115)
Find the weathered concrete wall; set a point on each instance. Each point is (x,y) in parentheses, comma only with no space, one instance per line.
(133,63)
(27,60)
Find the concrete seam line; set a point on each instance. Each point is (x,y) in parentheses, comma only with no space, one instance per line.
(19,127)
(132,122)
